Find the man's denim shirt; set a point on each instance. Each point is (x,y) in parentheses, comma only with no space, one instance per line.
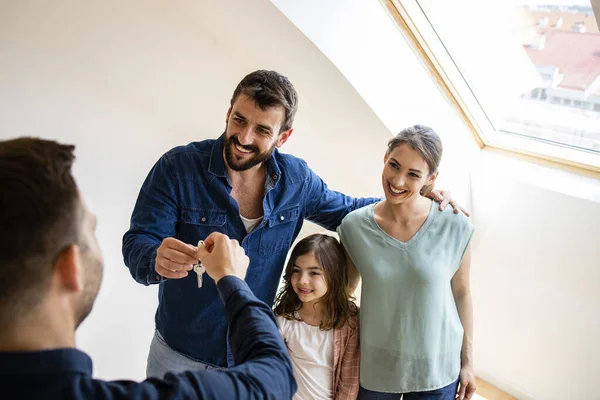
(187,196)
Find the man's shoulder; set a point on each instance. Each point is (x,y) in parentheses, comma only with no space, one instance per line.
(193,149)
(293,168)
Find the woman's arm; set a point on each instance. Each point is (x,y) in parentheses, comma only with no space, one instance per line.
(461,289)
(353,274)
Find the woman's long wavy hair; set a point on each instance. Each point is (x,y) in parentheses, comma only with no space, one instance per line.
(338,304)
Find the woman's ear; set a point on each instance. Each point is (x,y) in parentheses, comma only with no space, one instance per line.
(431,178)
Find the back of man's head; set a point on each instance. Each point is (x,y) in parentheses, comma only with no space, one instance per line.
(40,212)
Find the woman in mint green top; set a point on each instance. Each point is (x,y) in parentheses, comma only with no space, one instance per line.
(414,260)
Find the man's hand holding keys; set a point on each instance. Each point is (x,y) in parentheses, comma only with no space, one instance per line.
(222,256)
(174,258)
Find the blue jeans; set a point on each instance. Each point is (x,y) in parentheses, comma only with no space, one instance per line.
(163,359)
(445,393)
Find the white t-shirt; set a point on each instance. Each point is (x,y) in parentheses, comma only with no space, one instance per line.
(250,224)
(311,351)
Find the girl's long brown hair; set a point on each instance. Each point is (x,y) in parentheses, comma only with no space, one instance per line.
(337,302)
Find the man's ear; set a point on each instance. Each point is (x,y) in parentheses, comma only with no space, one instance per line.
(227,115)
(283,137)
(68,268)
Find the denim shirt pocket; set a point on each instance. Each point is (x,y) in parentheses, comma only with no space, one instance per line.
(198,223)
(278,231)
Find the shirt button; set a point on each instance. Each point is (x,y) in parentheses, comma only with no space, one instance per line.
(275,177)
(158,277)
(203,219)
(282,218)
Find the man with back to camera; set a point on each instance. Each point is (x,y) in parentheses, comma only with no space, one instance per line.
(50,273)
(240,185)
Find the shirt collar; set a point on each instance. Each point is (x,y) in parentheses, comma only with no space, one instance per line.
(45,362)
(216,164)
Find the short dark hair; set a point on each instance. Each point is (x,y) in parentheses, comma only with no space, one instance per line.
(40,214)
(269,89)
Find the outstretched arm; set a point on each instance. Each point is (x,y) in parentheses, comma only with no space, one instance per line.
(153,219)
(326,207)
(353,274)
(263,371)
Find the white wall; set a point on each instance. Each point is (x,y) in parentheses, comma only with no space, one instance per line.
(536,277)
(126,81)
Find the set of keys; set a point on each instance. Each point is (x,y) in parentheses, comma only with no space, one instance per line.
(198,268)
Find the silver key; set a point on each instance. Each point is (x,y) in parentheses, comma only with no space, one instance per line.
(198,268)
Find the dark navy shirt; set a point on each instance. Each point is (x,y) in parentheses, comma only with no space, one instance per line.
(187,196)
(265,371)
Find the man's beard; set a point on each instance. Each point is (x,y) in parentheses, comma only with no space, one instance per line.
(91,287)
(258,158)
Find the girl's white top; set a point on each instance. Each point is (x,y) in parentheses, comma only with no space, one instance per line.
(311,351)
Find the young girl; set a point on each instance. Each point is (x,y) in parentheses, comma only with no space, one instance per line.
(319,321)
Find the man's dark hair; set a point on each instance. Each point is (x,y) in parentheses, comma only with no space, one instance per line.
(40,213)
(269,89)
